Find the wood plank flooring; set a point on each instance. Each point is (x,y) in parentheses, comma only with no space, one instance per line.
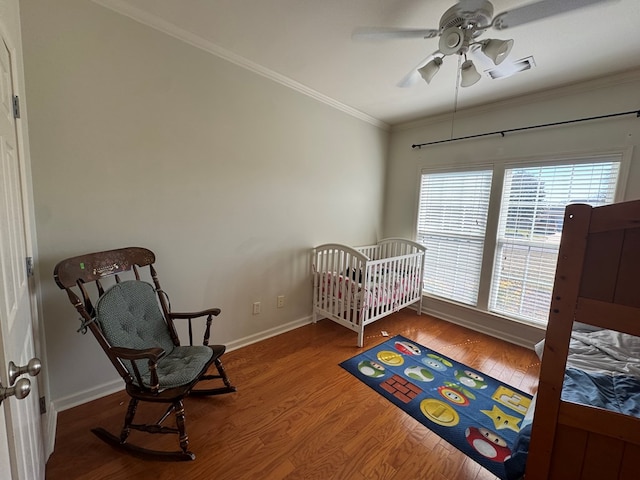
(297,414)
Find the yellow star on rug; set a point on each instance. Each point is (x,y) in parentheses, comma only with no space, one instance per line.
(502,420)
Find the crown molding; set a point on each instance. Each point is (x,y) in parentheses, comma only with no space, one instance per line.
(157,23)
(608,81)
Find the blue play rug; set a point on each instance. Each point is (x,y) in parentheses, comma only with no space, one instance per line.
(474,412)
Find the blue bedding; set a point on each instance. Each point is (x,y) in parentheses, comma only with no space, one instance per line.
(603,370)
(618,393)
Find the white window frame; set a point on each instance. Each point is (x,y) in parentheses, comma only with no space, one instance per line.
(499,168)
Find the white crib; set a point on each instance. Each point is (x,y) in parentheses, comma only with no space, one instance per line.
(355,286)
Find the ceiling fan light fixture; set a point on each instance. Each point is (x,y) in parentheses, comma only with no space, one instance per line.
(430,69)
(468,74)
(497,50)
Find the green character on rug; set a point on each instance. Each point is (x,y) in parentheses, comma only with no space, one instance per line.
(439,364)
(371,369)
(470,379)
(419,373)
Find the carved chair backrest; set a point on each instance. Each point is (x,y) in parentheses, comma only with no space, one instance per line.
(95,284)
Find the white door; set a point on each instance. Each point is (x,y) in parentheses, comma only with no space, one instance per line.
(21,446)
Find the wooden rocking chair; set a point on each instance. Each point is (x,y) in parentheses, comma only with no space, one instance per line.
(141,340)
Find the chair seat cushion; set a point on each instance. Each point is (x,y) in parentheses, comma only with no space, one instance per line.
(181,366)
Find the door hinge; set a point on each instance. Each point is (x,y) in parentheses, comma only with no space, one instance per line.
(43,406)
(29,264)
(16,107)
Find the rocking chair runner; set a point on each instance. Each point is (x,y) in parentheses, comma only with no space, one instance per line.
(141,340)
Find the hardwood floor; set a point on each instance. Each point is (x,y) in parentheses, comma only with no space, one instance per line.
(298,415)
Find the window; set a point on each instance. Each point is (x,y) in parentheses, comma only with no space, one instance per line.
(452,221)
(530,227)
(527,223)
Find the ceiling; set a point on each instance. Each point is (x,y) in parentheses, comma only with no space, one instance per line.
(307,44)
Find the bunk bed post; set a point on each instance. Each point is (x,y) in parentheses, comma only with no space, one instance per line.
(561,315)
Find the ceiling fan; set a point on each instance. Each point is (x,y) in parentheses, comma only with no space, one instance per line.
(459,29)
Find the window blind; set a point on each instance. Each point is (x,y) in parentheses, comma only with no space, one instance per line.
(452,221)
(530,227)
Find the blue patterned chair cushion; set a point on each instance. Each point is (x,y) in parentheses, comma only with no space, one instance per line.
(130,317)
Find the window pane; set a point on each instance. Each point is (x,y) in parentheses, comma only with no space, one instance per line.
(452,220)
(528,237)
(452,267)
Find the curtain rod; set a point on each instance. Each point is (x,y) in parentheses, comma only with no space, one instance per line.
(502,132)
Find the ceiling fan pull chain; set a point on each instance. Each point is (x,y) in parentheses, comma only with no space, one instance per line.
(455,99)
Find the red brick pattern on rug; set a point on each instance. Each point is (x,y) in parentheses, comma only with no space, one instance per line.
(401,388)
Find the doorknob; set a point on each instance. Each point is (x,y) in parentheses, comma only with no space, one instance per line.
(32,368)
(21,389)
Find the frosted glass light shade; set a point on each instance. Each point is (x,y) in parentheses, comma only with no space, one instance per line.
(497,50)
(430,69)
(468,73)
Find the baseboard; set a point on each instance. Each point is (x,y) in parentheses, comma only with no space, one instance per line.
(117,385)
(88,395)
(504,329)
(272,332)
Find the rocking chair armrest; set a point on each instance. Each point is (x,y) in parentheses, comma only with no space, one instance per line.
(153,354)
(209,313)
(187,315)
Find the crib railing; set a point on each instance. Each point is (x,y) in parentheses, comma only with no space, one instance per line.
(338,270)
(391,284)
(390,247)
(356,286)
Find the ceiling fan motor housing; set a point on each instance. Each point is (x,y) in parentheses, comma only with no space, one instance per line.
(461,20)
(467,14)
(451,40)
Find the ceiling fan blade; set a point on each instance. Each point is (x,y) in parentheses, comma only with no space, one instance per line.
(413,76)
(410,79)
(385,33)
(539,10)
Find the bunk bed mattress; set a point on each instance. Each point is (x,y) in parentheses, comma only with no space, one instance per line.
(603,370)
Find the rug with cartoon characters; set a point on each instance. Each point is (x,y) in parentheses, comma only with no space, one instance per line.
(477,414)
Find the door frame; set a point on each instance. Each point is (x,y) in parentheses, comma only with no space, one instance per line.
(10,30)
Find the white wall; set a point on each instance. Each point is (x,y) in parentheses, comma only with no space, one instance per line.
(618,93)
(140,139)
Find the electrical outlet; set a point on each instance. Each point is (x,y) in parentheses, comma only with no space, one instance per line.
(280,301)
(256,308)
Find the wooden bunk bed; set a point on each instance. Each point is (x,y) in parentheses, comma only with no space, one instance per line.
(597,283)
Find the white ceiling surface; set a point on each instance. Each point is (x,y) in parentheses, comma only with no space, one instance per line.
(307,44)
